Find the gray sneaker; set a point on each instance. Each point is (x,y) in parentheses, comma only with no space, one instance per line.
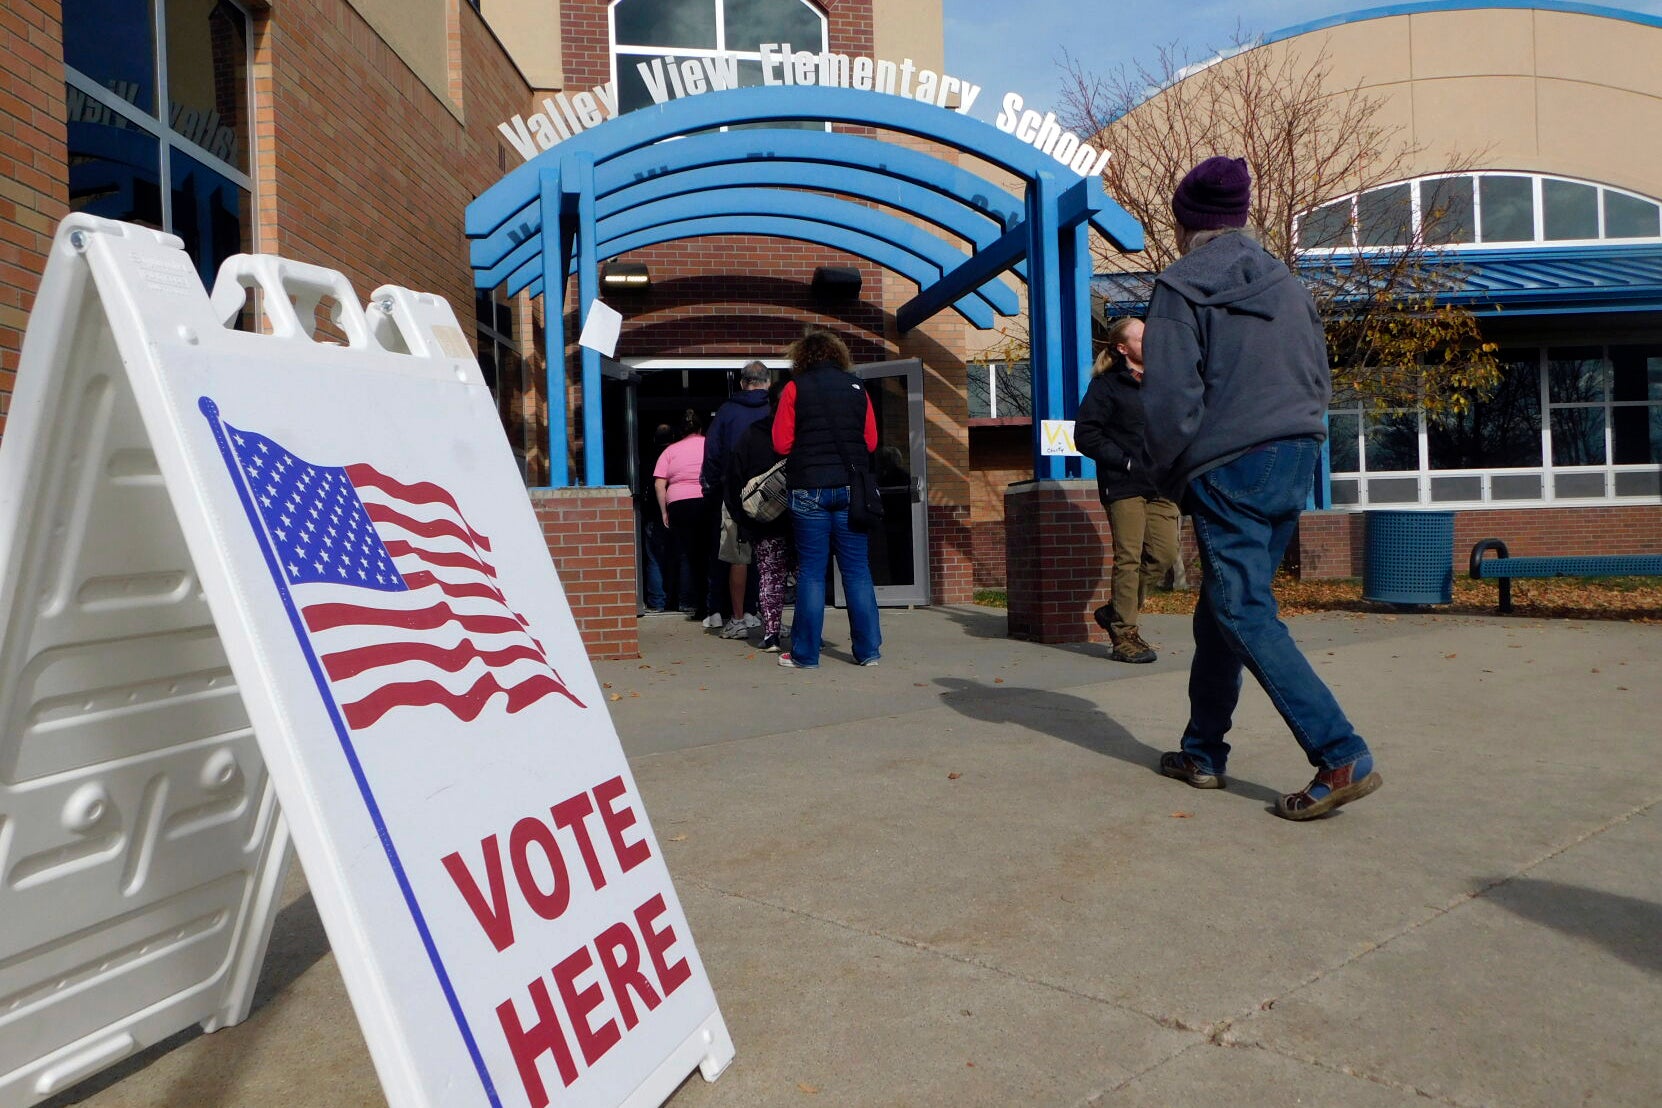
(735,629)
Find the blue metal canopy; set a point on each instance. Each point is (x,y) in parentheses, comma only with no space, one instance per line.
(620,186)
(1523,281)
(1557,280)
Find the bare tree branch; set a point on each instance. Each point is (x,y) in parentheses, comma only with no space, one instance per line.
(1308,139)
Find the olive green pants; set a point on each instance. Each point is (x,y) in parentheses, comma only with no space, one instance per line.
(1145,546)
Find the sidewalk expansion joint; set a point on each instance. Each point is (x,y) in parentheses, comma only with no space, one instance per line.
(1166,1022)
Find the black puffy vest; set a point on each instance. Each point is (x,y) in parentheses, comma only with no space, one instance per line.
(830,409)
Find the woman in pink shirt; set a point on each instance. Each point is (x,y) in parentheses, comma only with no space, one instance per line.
(681,504)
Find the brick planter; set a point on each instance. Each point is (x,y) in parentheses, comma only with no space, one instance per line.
(1058,560)
(591,537)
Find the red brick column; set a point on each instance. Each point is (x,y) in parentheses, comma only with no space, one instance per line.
(951,555)
(34,169)
(591,537)
(1059,560)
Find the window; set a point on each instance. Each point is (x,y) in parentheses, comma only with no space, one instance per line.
(1000,390)
(1565,423)
(1480,209)
(501,363)
(157,96)
(665,42)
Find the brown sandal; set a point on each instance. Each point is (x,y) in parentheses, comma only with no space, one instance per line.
(1340,789)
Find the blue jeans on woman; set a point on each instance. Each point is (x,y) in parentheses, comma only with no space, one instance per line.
(1244,515)
(820,522)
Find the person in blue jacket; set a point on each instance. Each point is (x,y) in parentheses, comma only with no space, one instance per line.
(1235,395)
(729,584)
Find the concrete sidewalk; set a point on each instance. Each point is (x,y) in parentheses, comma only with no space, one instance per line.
(957,880)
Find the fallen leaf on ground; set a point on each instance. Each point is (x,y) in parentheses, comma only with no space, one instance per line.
(804,1087)
(998,680)
(678,838)
(615,696)
(635,695)
(953,776)
(1446,657)
(1182,815)
(605,684)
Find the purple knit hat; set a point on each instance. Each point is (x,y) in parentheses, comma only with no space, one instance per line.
(1215,193)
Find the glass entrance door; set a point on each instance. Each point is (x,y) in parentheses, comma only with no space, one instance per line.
(899,551)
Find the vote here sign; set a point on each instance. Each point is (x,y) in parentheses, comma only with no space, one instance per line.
(479,853)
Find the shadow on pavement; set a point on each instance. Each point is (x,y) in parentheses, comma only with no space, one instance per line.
(1630,929)
(1069,718)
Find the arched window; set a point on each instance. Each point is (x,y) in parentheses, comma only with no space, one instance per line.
(661,48)
(1489,209)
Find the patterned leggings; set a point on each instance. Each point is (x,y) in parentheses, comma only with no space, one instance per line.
(769,559)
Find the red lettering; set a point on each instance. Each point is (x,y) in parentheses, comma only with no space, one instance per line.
(548,905)
(494,915)
(543,1037)
(624,973)
(671,977)
(571,813)
(629,855)
(595,1041)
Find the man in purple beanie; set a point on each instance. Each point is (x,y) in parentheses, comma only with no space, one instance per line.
(1235,388)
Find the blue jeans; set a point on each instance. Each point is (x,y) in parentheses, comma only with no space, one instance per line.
(1244,515)
(655,553)
(820,522)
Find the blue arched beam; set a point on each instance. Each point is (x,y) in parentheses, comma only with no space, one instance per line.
(908,184)
(809,206)
(1075,206)
(645,126)
(1052,304)
(824,147)
(803,206)
(977,227)
(877,250)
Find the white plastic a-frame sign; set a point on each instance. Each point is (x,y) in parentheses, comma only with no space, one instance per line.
(225,553)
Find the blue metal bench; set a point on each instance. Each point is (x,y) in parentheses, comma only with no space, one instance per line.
(1503,567)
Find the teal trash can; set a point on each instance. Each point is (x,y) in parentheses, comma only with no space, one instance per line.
(1409,557)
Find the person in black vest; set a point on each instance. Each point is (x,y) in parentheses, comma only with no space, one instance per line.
(825,426)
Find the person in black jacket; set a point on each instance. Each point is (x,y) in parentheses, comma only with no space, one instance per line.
(1109,430)
(769,540)
(825,424)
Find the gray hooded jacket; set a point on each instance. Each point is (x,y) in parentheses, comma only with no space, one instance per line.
(1234,357)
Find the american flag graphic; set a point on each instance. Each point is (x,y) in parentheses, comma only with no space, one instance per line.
(396,589)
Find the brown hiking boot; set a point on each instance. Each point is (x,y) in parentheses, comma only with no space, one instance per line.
(1130,647)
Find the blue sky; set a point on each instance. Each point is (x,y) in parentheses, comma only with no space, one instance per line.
(1015,45)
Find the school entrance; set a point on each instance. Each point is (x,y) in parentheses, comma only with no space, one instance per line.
(641,394)
(717,226)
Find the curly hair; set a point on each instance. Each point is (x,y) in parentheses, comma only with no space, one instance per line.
(818,346)
(1112,357)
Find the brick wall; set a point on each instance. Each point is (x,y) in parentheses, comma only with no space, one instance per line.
(951,563)
(1058,559)
(364,169)
(1332,544)
(1000,456)
(34,170)
(591,537)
